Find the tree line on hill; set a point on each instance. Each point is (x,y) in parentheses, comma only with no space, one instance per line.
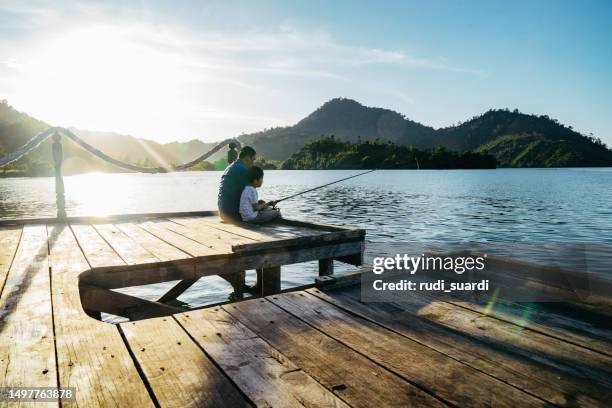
(370,137)
(329,153)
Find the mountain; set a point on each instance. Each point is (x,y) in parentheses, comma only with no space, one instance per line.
(514,138)
(16,128)
(347,120)
(328,153)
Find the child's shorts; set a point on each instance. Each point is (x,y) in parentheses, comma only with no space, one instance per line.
(266,215)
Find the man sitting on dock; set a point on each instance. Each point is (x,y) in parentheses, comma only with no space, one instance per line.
(233,181)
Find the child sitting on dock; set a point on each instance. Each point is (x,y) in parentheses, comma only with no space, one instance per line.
(251,208)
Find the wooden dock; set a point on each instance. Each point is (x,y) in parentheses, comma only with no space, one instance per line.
(316,347)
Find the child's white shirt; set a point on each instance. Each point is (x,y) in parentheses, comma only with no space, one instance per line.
(247,199)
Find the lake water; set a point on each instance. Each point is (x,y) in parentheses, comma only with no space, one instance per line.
(499,207)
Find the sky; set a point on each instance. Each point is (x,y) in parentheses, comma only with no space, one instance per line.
(208,70)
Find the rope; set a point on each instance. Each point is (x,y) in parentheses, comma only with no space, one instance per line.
(44,135)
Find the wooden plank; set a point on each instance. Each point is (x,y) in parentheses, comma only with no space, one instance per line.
(349,375)
(216,223)
(91,355)
(107,218)
(95,249)
(317,226)
(177,290)
(134,275)
(181,242)
(219,240)
(178,371)
(451,380)
(572,359)
(120,304)
(274,235)
(588,329)
(27,353)
(264,374)
(160,249)
(302,241)
(545,382)
(130,251)
(346,279)
(9,240)
(273,231)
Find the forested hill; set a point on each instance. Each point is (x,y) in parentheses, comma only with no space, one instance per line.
(330,153)
(16,128)
(347,120)
(515,139)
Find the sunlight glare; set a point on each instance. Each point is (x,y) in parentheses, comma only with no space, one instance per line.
(101,77)
(97,194)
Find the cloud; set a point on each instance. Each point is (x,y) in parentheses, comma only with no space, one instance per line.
(132,70)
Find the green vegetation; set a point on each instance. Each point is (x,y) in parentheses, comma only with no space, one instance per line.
(514,138)
(16,128)
(329,153)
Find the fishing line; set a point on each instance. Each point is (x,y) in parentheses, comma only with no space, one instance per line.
(324,185)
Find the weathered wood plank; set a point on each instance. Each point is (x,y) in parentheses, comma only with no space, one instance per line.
(178,371)
(273,235)
(160,249)
(120,304)
(216,223)
(595,334)
(545,382)
(107,218)
(572,359)
(130,251)
(177,290)
(219,240)
(134,275)
(273,231)
(95,249)
(181,242)
(352,377)
(299,241)
(9,240)
(27,353)
(264,374)
(451,380)
(317,226)
(91,355)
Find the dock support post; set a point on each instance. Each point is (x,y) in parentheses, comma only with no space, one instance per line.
(326,267)
(269,280)
(58,158)
(237,281)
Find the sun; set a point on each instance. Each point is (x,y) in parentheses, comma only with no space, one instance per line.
(101,77)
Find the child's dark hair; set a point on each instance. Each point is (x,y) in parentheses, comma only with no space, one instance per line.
(254,173)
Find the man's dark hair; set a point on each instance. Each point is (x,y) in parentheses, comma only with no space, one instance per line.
(254,173)
(246,151)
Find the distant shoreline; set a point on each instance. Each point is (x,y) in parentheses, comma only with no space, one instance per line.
(21,175)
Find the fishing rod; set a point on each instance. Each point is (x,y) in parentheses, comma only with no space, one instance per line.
(273,203)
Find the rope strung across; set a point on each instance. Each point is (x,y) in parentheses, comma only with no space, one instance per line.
(44,135)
